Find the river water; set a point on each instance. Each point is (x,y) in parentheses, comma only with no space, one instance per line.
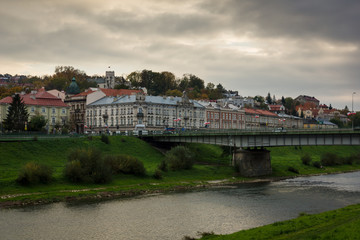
(172,216)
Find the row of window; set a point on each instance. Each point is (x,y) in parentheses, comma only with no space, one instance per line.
(165,112)
(225,116)
(53,110)
(151,122)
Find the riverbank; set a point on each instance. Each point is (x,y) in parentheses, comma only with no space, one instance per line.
(213,169)
(342,223)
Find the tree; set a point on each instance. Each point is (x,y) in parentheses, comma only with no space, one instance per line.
(269,99)
(337,121)
(37,123)
(17,115)
(283,100)
(174,93)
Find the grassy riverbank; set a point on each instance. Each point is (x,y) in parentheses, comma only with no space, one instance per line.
(213,164)
(338,224)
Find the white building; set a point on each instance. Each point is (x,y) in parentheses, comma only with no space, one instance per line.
(155,112)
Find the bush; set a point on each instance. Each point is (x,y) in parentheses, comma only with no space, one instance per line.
(125,164)
(105,139)
(330,159)
(294,170)
(179,158)
(34,173)
(163,166)
(87,166)
(157,174)
(306,159)
(317,164)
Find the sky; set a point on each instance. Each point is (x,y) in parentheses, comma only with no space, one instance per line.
(287,48)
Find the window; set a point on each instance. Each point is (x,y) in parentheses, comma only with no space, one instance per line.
(43,110)
(53,120)
(63,111)
(32,109)
(53,111)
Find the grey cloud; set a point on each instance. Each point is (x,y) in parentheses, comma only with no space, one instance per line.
(329,19)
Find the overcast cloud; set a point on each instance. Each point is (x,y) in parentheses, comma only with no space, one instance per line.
(283,47)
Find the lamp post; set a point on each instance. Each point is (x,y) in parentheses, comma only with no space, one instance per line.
(352,109)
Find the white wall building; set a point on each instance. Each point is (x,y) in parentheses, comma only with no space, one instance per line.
(155,112)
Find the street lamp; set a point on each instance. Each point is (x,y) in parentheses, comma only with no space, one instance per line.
(352,108)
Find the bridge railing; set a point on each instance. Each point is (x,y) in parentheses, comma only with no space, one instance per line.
(250,132)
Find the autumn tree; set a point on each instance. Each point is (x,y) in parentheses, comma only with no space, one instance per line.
(17,115)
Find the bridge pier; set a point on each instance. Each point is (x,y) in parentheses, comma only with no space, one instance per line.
(252,162)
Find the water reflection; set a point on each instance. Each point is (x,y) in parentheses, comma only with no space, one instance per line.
(171,216)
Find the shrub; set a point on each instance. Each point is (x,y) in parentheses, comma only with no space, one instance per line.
(157,174)
(90,138)
(306,159)
(330,159)
(163,166)
(125,164)
(294,170)
(33,173)
(105,139)
(317,164)
(87,166)
(35,138)
(179,158)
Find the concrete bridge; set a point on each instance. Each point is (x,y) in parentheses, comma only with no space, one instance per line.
(249,152)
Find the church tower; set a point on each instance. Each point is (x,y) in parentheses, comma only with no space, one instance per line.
(110,79)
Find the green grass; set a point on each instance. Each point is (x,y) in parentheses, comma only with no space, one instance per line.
(213,164)
(338,224)
(13,155)
(284,157)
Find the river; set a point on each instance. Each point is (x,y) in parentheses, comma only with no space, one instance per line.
(172,216)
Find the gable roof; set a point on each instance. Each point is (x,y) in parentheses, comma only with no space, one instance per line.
(40,98)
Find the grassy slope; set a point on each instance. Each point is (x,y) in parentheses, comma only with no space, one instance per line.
(13,155)
(338,224)
(283,157)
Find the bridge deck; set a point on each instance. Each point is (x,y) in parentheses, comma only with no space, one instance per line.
(264,138)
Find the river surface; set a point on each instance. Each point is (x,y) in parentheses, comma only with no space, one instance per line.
(172,216)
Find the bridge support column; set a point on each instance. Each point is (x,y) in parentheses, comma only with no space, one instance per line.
(252,162)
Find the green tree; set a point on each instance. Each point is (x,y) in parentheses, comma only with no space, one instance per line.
(121,86)
(337,121)
(283,100)
(134,78)
(17,115)
(37,123)
(269,99)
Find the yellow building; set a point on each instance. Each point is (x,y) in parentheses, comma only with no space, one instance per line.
(40,102)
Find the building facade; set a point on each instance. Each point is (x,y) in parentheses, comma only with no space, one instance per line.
(123,113)
(55,111)
(224,116)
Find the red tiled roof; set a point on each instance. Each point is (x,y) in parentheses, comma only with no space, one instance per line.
(41,98)
(266,113)
(115,92)
(259,112)
(275,107)
(84,93)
